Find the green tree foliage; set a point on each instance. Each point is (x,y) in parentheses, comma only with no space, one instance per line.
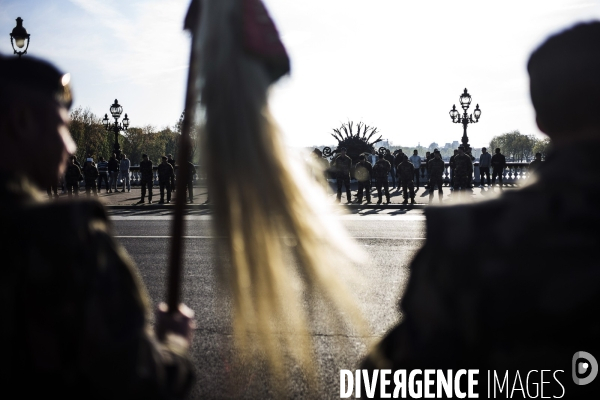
(91,138)
(518,147)
(89,134)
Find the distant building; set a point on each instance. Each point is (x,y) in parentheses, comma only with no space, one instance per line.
(455,144)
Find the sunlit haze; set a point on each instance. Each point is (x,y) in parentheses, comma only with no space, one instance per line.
(398,65)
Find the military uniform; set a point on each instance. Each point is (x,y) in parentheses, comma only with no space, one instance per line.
(499,312)
(463,169)
(90,174)
(498,165)
(406,172)
(74,310)
(341,165)
(436,176)
(363,173)
(147,180)
(72,177)
(190,183)
(165,175)
(381,169)
(172,163)
(390,158)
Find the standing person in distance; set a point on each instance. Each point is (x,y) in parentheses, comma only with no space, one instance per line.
(485,162)
(363,172)
(165,175)
(498,165)
(399,157)
(436,175)
(90,175)
(189,186)
(428,157)
(171,161)
(102,174)
(415,159)
(452,166)
(535,164)
(113,173)
(381,169)
(463,169)
(147,180)
(406,171)
(390,158)
(72,177)
(124,166)
(341,165)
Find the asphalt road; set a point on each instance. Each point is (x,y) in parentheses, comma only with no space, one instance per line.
(390,240)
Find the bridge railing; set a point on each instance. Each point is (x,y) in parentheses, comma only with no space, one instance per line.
(135,176)
(514,173)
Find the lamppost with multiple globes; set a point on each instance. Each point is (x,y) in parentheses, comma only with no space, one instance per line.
(20,38)
(116,110)
(465,119)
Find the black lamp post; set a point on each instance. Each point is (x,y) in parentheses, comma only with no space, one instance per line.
(465,119)
(116,110)
(19,37)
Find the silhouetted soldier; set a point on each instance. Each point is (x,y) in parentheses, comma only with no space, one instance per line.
(463,169)
(498,165)
(399,157)
(436,175)
(124,170)
(74,310)
(485,162)
(102,174)
(416,160)
(535,164)
(189,186)
(452,166)
(537,311)
(147,180)
(390,158)
(72,177)
(341,165)
(165,175)
(171,161)
(363,172)
(113,173)
(381,169)
(406,172)
(90,174)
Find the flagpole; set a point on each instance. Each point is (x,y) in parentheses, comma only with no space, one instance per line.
(183,176)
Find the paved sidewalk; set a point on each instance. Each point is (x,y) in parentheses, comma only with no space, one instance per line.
(129,199)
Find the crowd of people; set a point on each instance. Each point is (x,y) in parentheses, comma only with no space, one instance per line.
(111,172)
(373,172)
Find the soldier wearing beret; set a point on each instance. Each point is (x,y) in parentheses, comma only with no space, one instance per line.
(75,314)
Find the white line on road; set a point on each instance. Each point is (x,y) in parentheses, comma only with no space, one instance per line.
(351,217)
(217,237)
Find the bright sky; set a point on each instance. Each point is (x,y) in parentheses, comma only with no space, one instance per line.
(396,64)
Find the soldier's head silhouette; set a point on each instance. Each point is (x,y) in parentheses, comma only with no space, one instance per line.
(565,84)
(34,100)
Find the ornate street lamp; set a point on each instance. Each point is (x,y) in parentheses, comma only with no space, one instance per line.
(116,110)
(465,119)
(19,37)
